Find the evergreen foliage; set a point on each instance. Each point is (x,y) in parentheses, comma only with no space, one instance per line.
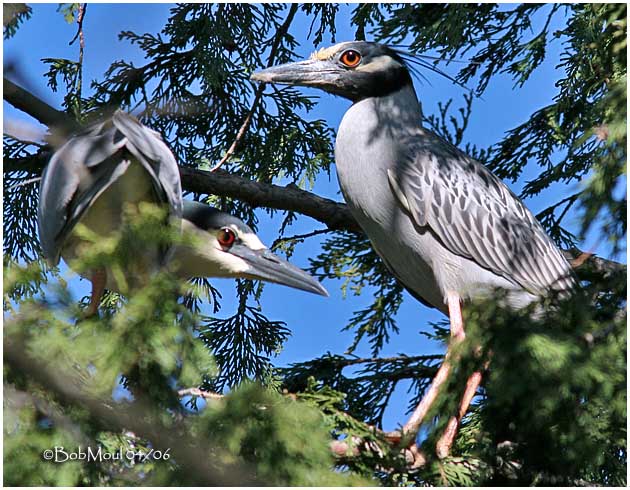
(204,390)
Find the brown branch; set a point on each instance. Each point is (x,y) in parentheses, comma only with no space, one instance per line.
(35,107)
(594,264)
(16,400)
(402,357)
(343,450)
(82,9)
(33,165)
(79,81)
(335,215)
(239,135)
(280,33)
(353,447)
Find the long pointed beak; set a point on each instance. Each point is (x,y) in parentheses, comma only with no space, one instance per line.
(266,266)
(309,73)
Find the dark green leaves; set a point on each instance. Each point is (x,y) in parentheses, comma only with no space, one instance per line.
(242,345)
(14,14)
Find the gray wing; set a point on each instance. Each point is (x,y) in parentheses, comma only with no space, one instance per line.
(74,177)
(84,167)
(475,215)
(148,147)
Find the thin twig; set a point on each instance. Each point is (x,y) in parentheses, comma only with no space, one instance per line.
(79,78)
(300,238)
(402,357)
(207,395)
(280,33)
(82,9)
(24,182)
(239,135)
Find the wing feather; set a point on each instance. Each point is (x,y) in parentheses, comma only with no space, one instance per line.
(475,215)
(84,167)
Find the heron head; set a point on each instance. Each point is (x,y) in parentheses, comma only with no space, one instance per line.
(224,246)
(354,70)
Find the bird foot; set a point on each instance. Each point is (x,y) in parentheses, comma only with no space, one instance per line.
(352,448)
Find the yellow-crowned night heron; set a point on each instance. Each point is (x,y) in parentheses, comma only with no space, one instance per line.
(119,163)
(444,225)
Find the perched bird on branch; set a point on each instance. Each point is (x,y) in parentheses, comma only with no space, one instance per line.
(444,225)
(117,165)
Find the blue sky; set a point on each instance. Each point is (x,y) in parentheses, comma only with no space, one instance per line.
(501,109)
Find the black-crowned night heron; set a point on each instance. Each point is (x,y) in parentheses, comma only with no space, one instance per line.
(444,225)
(119,163)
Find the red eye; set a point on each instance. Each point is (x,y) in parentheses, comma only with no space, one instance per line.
(226,237)
(350,58)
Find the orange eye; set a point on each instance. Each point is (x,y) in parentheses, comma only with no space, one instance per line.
(226,237)
(350,58)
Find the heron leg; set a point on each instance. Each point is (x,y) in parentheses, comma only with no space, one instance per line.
(98,279)
(443,446)
(457,335)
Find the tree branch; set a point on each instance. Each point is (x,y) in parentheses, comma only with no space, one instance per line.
(206,395)
(16,400)
(345,450)
(33,106)
(335,215)
(378,360)
(280,33)
(140,418)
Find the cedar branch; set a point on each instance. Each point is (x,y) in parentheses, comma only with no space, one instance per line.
(139,417)
(280,33)
(335,215)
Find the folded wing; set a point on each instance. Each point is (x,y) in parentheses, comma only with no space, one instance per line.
(476,216)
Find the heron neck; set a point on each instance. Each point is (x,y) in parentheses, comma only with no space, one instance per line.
(401,106)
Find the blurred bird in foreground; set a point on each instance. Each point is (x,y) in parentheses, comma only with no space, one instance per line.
(118,165)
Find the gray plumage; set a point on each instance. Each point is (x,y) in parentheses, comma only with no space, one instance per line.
(120,163)
(475,215)
(113,162)
(440,220)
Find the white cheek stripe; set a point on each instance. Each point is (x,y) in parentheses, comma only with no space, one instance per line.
(381,63)
(208,259)
(327,53)
(232,265)
(251,241)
